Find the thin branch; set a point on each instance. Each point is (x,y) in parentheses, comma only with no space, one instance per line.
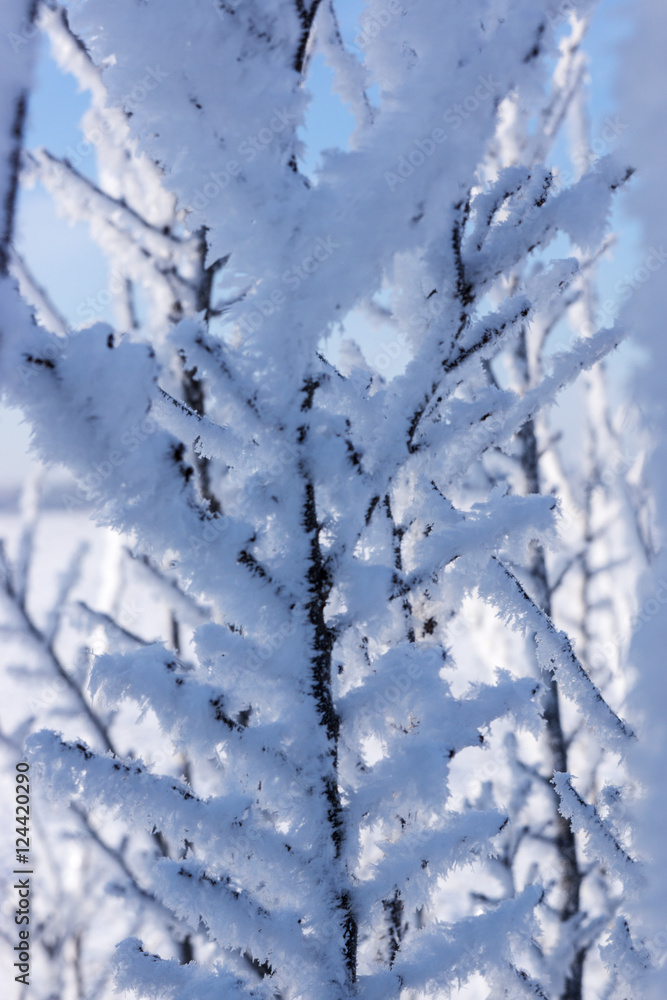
(88,189)
(37,295)
(108,621)
(306,18)
(49,652)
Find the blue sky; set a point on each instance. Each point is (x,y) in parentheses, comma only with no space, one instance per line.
(69,264)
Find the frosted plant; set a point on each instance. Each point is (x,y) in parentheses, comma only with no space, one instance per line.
(130,216)
(331,523)
(585,584)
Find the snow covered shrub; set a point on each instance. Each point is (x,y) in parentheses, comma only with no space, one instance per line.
(332,528)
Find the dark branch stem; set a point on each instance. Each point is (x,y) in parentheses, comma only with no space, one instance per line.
(48,650)
(565,839)
(10,196)
(186,951)
(115,204)
(319,586)
(306,17)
